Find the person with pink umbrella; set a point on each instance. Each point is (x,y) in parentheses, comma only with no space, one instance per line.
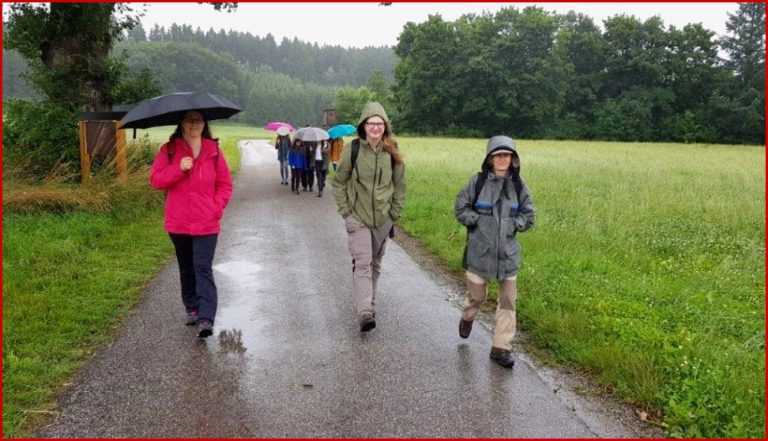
(283,145)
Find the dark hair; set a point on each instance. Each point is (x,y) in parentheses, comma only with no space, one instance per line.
(179,133)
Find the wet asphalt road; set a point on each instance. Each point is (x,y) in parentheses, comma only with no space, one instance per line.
(287,358)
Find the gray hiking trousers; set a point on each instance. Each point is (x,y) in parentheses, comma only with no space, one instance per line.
(367,247)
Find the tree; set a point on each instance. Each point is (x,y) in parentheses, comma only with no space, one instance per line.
(349,102)
(67,46)
(580,46)
(425,76)
(137,34)
(745,46)
(534,75)
(746,43)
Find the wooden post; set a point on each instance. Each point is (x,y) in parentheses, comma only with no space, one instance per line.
(120,157)
(85,160)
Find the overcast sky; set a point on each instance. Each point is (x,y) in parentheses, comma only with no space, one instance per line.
(368,24)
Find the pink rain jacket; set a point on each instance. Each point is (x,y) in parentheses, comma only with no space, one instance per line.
(196,198)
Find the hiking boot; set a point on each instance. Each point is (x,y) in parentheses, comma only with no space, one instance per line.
(191,317)
(367,323)
(204,328)
(465,327)
(502,357)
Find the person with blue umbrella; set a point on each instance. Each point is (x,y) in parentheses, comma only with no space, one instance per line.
(335,134)
(337,145)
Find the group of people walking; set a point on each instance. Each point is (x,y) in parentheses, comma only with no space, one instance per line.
(369,188)
(303,163)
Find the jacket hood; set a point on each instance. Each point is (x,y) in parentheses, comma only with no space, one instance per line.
(497,143)
(373,109)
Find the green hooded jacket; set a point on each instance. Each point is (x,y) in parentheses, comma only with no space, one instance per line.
(373,192)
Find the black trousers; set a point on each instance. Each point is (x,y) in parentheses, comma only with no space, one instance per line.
(320,173)
(307,179)
(295,179)
(195,257)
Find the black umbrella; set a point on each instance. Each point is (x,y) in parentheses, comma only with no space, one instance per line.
(168,110)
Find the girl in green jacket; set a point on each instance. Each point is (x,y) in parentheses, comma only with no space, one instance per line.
(370,195)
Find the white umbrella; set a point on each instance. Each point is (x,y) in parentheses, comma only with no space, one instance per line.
(311,134)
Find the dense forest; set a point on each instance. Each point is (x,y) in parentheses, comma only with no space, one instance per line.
(535,74)
(528,73)
(327,65)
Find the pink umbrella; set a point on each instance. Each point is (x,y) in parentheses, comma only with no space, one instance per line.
(273,126)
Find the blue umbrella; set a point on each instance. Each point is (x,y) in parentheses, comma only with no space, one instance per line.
(340,130)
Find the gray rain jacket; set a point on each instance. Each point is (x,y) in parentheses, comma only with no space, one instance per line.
(492,251)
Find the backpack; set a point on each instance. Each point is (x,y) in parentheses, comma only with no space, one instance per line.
(356,150)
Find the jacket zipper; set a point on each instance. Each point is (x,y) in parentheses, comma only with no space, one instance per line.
(373,188)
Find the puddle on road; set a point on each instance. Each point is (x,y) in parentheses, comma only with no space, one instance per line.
(237,330)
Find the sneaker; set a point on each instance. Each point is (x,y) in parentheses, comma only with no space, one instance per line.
(502,357)
(192,317)
(465,327)
(204,328)
(367,323)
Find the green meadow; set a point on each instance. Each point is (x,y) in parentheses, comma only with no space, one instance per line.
(645,270)
(645,267)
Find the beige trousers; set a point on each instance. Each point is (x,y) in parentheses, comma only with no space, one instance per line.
(505,320)
(367,247)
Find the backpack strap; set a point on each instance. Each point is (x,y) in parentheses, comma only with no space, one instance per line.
(481,176)
(171,152)
(356,151)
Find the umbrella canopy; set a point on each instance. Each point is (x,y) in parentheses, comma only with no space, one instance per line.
(168,110)
(340,130)
(274,125)
(311,134)
(282,131)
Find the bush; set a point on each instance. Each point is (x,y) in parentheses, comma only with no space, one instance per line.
(40,134)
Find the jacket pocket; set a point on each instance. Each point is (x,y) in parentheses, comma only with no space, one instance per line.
(512,248)
(478,246)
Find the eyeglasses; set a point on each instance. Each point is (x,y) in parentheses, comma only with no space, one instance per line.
(374,124)
(194,120)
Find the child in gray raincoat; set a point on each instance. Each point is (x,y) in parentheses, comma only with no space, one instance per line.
(494,206)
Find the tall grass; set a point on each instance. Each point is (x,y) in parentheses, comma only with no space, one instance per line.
(646,267)
(75,258)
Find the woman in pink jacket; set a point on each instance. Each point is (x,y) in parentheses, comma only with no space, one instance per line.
(191,168)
